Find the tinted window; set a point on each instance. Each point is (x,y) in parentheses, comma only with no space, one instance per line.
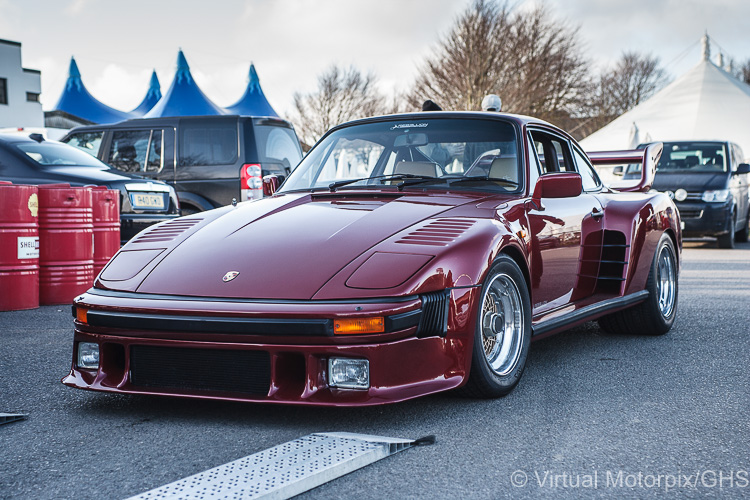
(155,160)
(277,145)
(129,148)
(588,175)
(88,142)
(208,142)
(50,153)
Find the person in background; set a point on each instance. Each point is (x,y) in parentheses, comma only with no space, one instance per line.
(492,102)
(430,106)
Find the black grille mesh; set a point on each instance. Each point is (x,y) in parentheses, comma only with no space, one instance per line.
(200,369)
(434,314)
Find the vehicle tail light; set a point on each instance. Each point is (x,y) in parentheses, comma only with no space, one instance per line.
(251,182)
(358,326)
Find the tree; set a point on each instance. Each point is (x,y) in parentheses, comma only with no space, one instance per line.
(633,79)
(531,60)
(744,72)
(343,94)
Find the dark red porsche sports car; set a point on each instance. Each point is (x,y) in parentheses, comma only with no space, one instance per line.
(405,255)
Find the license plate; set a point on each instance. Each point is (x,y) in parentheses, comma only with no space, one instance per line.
(152,201)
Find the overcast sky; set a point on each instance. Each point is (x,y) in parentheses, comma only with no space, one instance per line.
(117,43)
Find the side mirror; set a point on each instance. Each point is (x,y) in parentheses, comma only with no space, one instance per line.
(561,185)
(271,184)
(619,170)
(742,168)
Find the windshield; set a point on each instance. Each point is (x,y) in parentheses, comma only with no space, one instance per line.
(462,153)
(56,154)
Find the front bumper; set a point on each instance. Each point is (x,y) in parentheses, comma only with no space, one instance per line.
(273,368)
(704,219)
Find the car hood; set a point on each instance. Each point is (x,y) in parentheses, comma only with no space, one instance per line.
(90,175)
(692,182)
(287,247)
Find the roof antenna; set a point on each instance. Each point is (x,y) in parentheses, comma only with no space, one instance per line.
(36,137)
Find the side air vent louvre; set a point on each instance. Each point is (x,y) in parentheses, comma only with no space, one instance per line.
(167,231)
(440,232)
(434,319)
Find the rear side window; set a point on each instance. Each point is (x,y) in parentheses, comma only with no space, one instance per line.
(137,151)
(208,142)
(277,145)
(88,142)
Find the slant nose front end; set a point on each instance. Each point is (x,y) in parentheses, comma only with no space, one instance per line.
(349,352)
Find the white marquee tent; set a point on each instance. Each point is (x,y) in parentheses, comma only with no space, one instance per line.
(706,103)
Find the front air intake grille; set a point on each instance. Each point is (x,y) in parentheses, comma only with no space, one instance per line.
(167,231)
(247,372)
(440,232)
(434,319)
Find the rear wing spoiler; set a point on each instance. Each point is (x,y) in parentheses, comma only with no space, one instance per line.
(647,157)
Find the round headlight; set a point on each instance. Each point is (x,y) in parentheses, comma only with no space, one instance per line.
(680,195)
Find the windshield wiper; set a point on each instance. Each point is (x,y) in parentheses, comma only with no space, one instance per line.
(456,179)
(335,185)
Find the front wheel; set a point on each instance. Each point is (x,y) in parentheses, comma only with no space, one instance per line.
(656,314)
(743,234)
(502,333)
(727,240)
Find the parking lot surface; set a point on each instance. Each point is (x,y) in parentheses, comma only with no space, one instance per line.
(595,415)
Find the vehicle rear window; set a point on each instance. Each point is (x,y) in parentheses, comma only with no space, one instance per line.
(56,154)
(277,145)
(208,142)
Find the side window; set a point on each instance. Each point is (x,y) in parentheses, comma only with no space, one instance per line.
(553,152)
(129,148)
(88,142)
(208,142)
(278,146)
(588,175)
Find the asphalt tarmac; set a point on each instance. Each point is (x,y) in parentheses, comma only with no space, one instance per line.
(595,416)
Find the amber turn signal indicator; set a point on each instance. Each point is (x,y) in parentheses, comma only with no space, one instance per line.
(81,314)
(356,326)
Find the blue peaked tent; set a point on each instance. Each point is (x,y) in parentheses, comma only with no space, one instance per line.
(152,97)
(183,98)
(253,102)
(76,100)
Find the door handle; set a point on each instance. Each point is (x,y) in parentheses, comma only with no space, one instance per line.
(597,213)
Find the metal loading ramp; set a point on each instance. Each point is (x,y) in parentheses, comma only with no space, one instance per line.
(284,470)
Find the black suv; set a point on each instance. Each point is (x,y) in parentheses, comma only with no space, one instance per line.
(32,160)
(208,159)
(709,185)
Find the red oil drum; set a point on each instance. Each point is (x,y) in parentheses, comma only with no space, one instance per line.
(106,225)
(19,247)
(66,243)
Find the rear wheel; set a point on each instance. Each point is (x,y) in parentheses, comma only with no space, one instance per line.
(656,314)
(502,334)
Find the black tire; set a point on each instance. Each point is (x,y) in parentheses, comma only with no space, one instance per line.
(743,235)
(504,288)
(656,314)
(726,240)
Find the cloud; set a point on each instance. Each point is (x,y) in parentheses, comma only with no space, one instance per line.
(119,87)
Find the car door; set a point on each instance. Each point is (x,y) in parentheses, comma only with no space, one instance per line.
(556,229)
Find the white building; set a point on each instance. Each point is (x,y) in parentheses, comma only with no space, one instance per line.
(19,90)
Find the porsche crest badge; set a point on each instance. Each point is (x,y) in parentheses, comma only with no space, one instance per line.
(230,276)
